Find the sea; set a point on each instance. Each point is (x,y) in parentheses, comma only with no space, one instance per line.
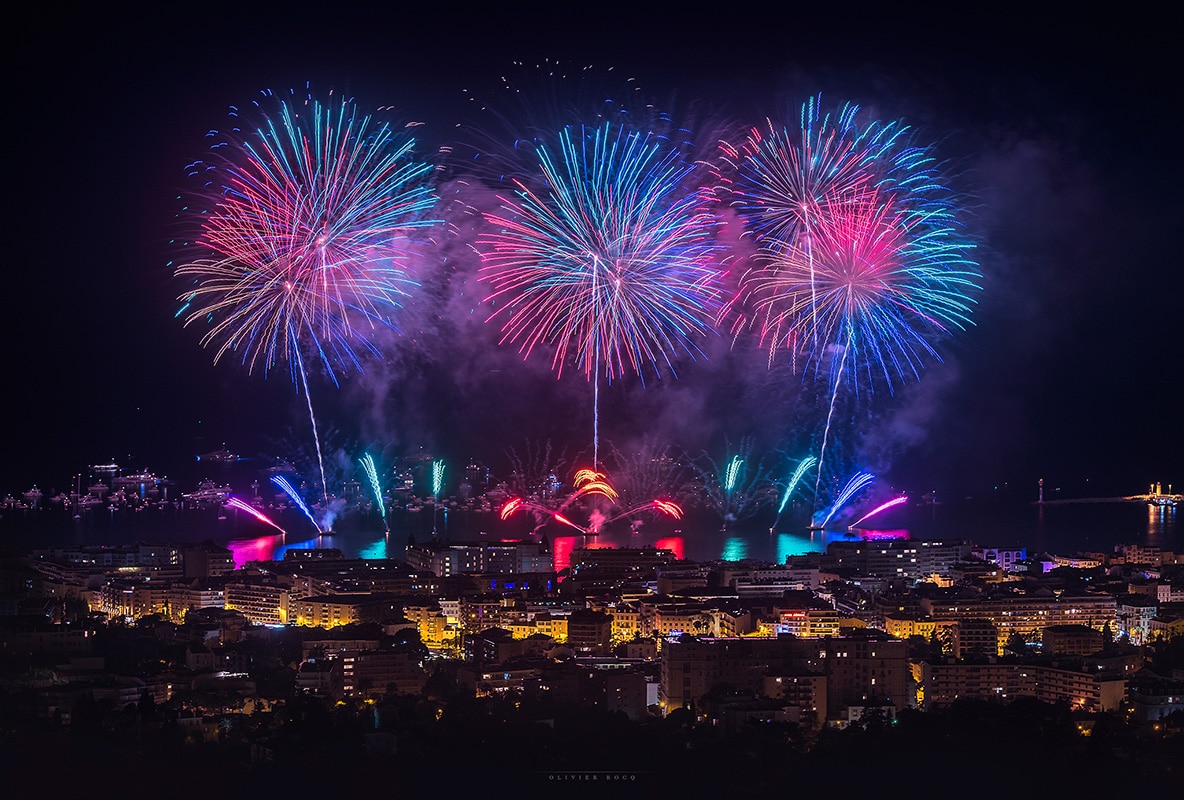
(1060,528)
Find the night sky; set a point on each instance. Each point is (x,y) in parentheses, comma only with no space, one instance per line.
(1058,133)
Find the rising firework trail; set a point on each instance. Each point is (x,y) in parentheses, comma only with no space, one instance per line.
(241,505)
(290,491)
(305,215)
(882,507)
(367,462)
(857,483)
(606,257)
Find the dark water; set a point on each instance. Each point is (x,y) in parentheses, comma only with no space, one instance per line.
(1063,529)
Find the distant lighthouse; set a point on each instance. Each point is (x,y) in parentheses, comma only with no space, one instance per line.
(1040,483)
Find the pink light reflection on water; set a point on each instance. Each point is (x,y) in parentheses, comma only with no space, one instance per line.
(675,544)
(562,547)
(270,548)
(262,548)
(881,536)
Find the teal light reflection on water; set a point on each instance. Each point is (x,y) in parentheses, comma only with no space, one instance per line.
(735,549)
(793,544)
(374,550)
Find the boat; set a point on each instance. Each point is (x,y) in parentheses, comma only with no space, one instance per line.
(223,456)
(207,494)
(281,467)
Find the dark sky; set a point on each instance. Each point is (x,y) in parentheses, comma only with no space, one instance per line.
(1060,133)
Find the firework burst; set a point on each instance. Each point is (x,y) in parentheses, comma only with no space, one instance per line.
(784,179)
(305,219)
(305,239)
(610,261)
(876,288)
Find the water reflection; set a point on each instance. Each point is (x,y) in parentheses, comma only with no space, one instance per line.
(271,548)
(262,548)
(738,546)
(563,546)
(375,550)
(815,541)
(1065,529)
(675,544)
(735,549)
(1161,521)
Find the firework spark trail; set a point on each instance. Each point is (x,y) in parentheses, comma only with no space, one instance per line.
(794,480)
(858,482)
(589,481)
(666,507)
(611,262)
(598,519)
(371,470)
(883,507)
(732,473)
(241,505)
(290,491)
(306,218)
(437,487)
(516,504)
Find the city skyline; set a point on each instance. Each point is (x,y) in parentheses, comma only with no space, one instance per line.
(1052,146)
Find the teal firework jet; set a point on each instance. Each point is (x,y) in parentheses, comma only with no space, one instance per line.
(367,462)
(795,479)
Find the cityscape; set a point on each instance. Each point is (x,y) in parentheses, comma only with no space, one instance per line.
(539,406)
(557,652)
